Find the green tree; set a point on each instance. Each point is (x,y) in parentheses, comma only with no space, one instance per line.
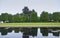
(44,17)
(10,18)
(24,18)
(16,18)
(56,16)
(50,17)
(34,17)
(4,16)
(25,10)
(0,18)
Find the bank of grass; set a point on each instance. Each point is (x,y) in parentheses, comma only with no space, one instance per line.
(44,24)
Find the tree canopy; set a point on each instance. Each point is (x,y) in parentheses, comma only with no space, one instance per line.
(30,16)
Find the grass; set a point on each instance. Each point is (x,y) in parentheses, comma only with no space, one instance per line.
(49,24)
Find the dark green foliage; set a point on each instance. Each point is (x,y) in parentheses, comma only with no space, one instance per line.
(30,16)
(24,18)
(25,10)
(44,17)
(50,17)
(0,18)
(10,18)
(4,17)
(56,16)
(34,17)
(16,18)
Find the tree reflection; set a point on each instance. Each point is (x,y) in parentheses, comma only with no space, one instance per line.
(3,31)
(44,31)
(31,31)
(25,36)
(16,30)
(9,30)
(56,33)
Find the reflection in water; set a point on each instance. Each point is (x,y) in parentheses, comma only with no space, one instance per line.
(44,31)
(29,32)
(16,30)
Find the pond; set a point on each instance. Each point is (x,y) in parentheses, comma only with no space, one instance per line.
(30,32)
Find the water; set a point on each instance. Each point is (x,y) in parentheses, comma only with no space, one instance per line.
(30,32)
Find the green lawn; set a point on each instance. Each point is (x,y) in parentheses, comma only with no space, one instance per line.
(30,24)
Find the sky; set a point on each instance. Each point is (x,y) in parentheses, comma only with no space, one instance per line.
(16,6)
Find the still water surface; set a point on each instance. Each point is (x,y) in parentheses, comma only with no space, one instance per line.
(30,32)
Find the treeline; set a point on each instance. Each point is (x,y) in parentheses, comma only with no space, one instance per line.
(30,16)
